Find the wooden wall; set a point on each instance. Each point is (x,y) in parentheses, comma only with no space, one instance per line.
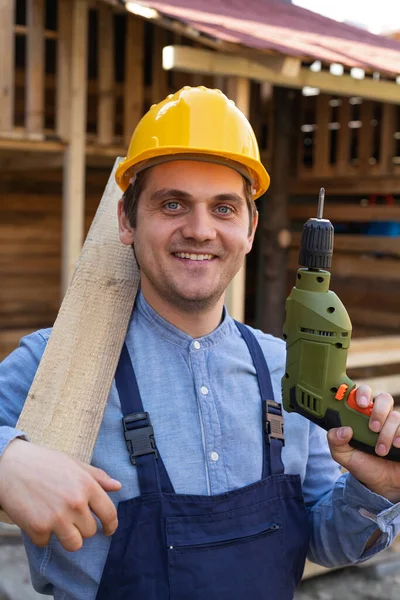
(30,249)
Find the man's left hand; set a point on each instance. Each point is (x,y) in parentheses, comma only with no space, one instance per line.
(378,475)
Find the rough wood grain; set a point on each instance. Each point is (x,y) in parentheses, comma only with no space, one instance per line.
(35,67)
(65,405)
(74,157)
(7,10)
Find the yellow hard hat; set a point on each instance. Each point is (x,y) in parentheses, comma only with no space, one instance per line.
(195,121)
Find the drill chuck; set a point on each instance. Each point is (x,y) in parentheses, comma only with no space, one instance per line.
(316,244)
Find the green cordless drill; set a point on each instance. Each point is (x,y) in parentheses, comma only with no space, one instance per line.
(317,333)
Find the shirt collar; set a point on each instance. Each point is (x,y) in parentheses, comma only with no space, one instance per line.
(174,335)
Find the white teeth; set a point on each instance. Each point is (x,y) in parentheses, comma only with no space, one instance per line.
(194,256)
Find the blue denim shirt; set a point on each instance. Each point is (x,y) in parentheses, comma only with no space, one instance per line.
(204,402)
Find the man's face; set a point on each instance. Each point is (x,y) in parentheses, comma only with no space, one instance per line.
(192,233)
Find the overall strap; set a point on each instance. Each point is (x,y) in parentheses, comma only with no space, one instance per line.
(138,431)
(272,420)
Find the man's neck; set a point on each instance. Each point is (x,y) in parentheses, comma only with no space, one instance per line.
(196,324)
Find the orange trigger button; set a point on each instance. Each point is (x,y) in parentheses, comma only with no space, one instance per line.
(351,401)
(340,394)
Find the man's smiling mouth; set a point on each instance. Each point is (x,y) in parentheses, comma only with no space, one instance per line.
(194,256)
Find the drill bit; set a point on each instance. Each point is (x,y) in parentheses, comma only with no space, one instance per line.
(321,201)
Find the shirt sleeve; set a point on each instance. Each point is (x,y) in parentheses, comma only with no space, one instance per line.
(343,513)
(16,375)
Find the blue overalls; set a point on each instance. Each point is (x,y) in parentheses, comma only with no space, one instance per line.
(247,544)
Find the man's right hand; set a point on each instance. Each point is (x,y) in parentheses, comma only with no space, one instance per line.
(45,491)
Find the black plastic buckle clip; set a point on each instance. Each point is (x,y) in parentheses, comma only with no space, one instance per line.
(273,420)
(141,440)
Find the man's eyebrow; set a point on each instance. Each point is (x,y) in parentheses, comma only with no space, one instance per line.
(165,193)
(230,197)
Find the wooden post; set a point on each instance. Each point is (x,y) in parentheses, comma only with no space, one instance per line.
(74,158)
(159,88)
(106,112)
(64,52)
(238,89)
(387,141)
(35,67)
(343,155)
(133,87)
(7,48)
(365,151)
(274,231)
(322,138)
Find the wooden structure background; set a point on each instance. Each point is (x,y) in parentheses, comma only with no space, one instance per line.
(75,78)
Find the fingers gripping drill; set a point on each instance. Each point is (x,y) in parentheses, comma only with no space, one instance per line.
(317,333)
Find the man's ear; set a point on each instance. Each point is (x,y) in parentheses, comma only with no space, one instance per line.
(126,232)
(253,232)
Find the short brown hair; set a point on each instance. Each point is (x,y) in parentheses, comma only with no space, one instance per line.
(133,192)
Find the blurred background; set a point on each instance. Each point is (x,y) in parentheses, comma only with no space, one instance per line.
(322,91)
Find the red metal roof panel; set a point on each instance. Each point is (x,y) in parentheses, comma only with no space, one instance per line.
(287,29)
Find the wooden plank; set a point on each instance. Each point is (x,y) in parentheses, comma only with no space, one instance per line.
(7,50)
(35,67)
(370,317)
(159,88)
(106,111)
(74,158)
(343,151)
(66,402)
(368,353)
(133,86)
(238,90)
(365,139)
(387,141)
(63,75)
(348,265)
(344,186)
(389,384)
(195,60)
(323,136)
(359,243)
(343,213)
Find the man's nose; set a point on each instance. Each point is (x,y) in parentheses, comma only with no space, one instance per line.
(199,225)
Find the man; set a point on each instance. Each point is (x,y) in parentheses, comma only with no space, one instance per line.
(209,505)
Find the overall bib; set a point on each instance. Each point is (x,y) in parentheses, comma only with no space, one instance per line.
(247,544)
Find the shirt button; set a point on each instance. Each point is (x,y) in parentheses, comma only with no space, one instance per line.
(196,345)
(214,456)
(204,390)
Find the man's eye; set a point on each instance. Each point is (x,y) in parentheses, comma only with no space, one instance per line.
(172,205)
(224,210)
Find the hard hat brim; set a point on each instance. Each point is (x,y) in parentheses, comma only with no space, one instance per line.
(126,169)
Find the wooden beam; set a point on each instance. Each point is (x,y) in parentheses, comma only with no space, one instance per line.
(74,165)
(64,53)
(343,186)
(272,292)
(343,151)
(238,90)
(106,112)
(323,136)
(194,60)
(35,61)
(159,88)
(387,141)
(7,50)
(389,384)
(346,212)
(365,137)
(134,86)
(360,243)
(65,404)
(348,265)
(373,352)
